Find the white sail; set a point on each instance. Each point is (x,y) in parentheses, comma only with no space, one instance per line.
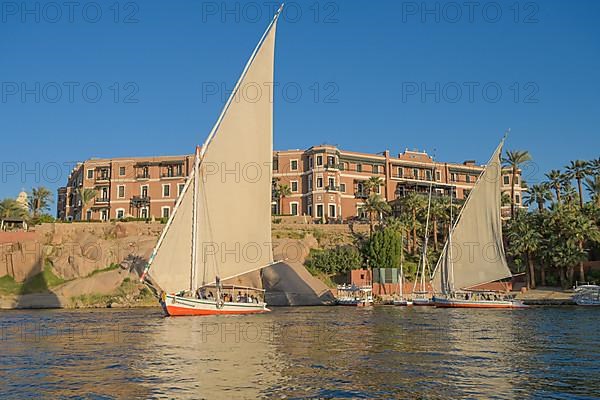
(234,206)
(171,266)
(231,211)
(476,254)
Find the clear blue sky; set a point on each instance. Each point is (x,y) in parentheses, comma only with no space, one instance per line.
(366,58)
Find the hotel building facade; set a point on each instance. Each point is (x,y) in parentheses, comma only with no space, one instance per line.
(325,182)
(329,183)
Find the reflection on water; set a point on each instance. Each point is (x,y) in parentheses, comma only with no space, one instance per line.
(384,352)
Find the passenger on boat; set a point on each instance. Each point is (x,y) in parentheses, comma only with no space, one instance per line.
(210,296)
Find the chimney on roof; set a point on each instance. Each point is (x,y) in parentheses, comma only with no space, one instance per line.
(470,163)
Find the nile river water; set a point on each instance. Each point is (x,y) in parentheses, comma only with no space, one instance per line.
(316,352)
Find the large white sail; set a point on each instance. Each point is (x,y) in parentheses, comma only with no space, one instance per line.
(231,211)
(171,266)
(476,254)
(234,206)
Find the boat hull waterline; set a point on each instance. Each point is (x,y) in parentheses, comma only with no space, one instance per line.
(458,303)
(175,306)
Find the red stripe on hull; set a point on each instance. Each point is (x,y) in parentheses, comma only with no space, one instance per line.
(175,311)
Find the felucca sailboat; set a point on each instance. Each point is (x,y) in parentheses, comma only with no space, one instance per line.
(474,252)
(220,227)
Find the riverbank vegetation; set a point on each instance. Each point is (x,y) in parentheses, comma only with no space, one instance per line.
(549,242)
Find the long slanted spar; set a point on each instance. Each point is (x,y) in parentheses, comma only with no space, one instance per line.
(212,234)
(474,253)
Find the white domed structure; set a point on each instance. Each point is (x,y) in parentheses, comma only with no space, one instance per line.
(22,199)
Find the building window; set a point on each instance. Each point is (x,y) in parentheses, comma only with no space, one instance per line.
(309,208)
(332,211)
(428,174)
(516,180)
(104,215)
(343,187)
(468,178)
(400,172)
(144,213)
(90,174)
(144,191)
(358,167)
(294,208)
(310,162)
(294,185)
(506,179)
(121,171)
(319,182)
(121,191)
(319,210)
(331,161)
(517,199)
(120,213)
(180,188)
(275,164)
(453,177)
(166,190)
(88,215)
(166,212)
(319,161)
(294,165)
(310,183)
(438,176)
(375,169)
(331,183)
(416,173)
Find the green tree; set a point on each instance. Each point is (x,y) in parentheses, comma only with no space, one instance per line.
(86,196)
(414,204)
(538,194)
(577,170)
(555,180)
(513,160)
(10,208)
(375,206)
(592,184)
(282,191)
(524,241)
(334,261)
(371,184)
(384,248)
(39,200)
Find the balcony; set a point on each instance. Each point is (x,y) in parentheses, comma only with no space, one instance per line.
(331,188)
(140,201)
(332,166)
(102,178)
(142,176)
(101,200)
(171,175)
(361,194)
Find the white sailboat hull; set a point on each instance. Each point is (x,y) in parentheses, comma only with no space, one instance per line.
(187,306)
(404,303)
(448,302)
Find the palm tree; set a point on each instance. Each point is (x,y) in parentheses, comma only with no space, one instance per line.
(505,200)
(595,166)
(86,196)
(414,204)
(375,205)
(439,213)
(282,191)
(538,194)
(593,187)
(555,180)
(513,160)
(524,241)
(371,184)
(40,200)
(10,208)
(577,170)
